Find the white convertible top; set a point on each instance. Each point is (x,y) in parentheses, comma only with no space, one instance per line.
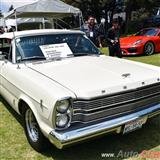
(10,35)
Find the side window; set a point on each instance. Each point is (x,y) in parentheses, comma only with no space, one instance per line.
(5,48)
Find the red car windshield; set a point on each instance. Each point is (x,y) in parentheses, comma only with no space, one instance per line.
(148,32)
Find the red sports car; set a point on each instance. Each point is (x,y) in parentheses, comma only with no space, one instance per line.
(146,41)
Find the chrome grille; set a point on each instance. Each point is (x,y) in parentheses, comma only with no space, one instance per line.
(116,104)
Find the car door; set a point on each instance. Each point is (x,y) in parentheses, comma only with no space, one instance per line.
(157,42)
(8,73)
(1,63)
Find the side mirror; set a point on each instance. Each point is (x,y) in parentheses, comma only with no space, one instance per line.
(2,57)
(19,59)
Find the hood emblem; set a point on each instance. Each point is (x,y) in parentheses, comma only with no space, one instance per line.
(126,75)
(103,91)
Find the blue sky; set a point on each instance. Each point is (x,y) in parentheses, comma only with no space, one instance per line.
(5,4)
(3,7)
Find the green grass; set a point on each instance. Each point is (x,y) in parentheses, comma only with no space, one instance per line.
(153,59)
(14,146)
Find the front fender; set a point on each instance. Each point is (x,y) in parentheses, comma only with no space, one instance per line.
(40,113)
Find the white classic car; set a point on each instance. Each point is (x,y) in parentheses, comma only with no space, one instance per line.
(67,91)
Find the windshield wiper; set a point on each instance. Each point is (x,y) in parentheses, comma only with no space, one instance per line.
(86,54)
(33,58)
(80,54)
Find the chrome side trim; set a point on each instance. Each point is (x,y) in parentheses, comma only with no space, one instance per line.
(61,139)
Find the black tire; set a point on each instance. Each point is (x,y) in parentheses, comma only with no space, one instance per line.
(33,133)
(149,48)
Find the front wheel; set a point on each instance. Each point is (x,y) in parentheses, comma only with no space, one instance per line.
(33,133)
(149,48)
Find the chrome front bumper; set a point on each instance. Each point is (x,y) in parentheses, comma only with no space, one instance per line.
(61,139)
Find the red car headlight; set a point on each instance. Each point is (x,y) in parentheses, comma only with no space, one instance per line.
(137,42)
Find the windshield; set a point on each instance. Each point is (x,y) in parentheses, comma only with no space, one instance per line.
(54,46)
(147,32)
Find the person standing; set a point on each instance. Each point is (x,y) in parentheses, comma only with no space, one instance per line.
(91,30)
(1,30)
(101,32)
(112,38)
(5,29)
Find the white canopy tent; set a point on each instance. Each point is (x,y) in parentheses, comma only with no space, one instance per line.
(44,8)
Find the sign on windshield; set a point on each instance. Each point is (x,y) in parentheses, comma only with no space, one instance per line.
(60,50)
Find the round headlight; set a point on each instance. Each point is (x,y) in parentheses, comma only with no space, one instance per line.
(62,106)
(62,120)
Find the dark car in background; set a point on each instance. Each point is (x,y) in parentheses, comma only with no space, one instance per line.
(154,20)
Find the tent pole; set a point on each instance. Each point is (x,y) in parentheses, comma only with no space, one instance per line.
(52,22)
(79,20)
(43,22)
(15,14)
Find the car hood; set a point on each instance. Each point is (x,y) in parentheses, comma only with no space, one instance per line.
(94,76)
(130,40)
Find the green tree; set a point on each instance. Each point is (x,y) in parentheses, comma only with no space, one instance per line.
(136,5)
(89,7)
(94,7)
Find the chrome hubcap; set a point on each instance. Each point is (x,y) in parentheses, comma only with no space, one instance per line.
(31,125)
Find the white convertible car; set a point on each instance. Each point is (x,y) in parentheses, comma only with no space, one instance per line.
(66,91)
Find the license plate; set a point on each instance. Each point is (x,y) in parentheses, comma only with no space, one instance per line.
(134,125)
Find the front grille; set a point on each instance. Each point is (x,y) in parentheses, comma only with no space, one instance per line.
(116,105)
(132,50)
